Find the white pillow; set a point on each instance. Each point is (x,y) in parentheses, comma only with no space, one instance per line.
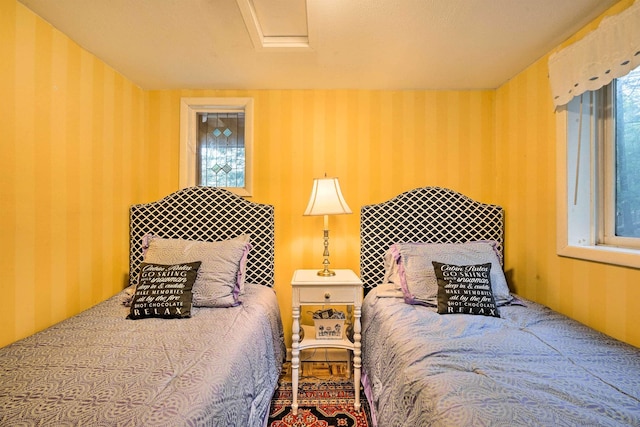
(415,272)
(221,276)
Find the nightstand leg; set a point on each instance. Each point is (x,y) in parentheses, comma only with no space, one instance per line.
(295,359)
(357,359)
(351,321)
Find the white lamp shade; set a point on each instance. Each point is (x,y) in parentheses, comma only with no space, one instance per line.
(326,198)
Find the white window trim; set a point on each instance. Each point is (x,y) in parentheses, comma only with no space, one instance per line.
(189,109)
(589,250)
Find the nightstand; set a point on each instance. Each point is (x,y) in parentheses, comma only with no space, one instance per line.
(345,288)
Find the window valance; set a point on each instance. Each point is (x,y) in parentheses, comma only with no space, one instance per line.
(610,51)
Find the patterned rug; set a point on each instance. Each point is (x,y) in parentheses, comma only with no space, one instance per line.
(321,403)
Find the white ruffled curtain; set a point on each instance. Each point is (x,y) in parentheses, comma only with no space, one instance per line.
(610,51)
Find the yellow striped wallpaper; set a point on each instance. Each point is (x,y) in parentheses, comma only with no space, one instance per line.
(72,161)
(602,296)
(379,143)
(80,143)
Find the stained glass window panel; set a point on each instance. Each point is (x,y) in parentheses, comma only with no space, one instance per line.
(221,149)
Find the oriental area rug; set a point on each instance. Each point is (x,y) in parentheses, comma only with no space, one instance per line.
(322,402)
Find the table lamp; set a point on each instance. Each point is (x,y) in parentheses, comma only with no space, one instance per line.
(326,199)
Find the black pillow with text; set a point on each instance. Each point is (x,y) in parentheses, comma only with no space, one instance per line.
(164,291)
(465,289)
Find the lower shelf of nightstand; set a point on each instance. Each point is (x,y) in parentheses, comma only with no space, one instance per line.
(309,340)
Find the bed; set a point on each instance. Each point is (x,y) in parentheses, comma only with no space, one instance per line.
(212,363)
(425,363)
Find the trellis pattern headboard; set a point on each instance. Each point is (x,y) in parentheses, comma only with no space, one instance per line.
(209,214)
(429,215)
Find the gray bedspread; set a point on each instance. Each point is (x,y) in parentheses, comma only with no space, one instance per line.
(217,368)
(531,367)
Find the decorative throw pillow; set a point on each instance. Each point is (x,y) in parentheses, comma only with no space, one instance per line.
(164,291)
(220,279)
(417,277)
(465,289)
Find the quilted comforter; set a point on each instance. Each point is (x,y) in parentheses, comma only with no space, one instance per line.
(531,367)
(217,368)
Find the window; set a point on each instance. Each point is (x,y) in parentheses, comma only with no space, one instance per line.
(220,154)
(623,166)
(599,205)
(216,141)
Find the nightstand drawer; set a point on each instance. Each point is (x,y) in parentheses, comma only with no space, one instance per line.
(328,294)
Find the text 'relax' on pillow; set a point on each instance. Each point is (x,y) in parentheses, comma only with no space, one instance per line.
(220,280)
(416,274)
(465,289)
(164,291)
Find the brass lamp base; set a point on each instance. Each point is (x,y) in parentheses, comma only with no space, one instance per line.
(326,273)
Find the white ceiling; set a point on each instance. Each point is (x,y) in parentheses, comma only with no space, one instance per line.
(320,44)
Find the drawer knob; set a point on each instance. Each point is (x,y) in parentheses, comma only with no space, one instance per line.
(327,295)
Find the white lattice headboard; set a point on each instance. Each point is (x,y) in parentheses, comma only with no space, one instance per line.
(209,214)
(429,215)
